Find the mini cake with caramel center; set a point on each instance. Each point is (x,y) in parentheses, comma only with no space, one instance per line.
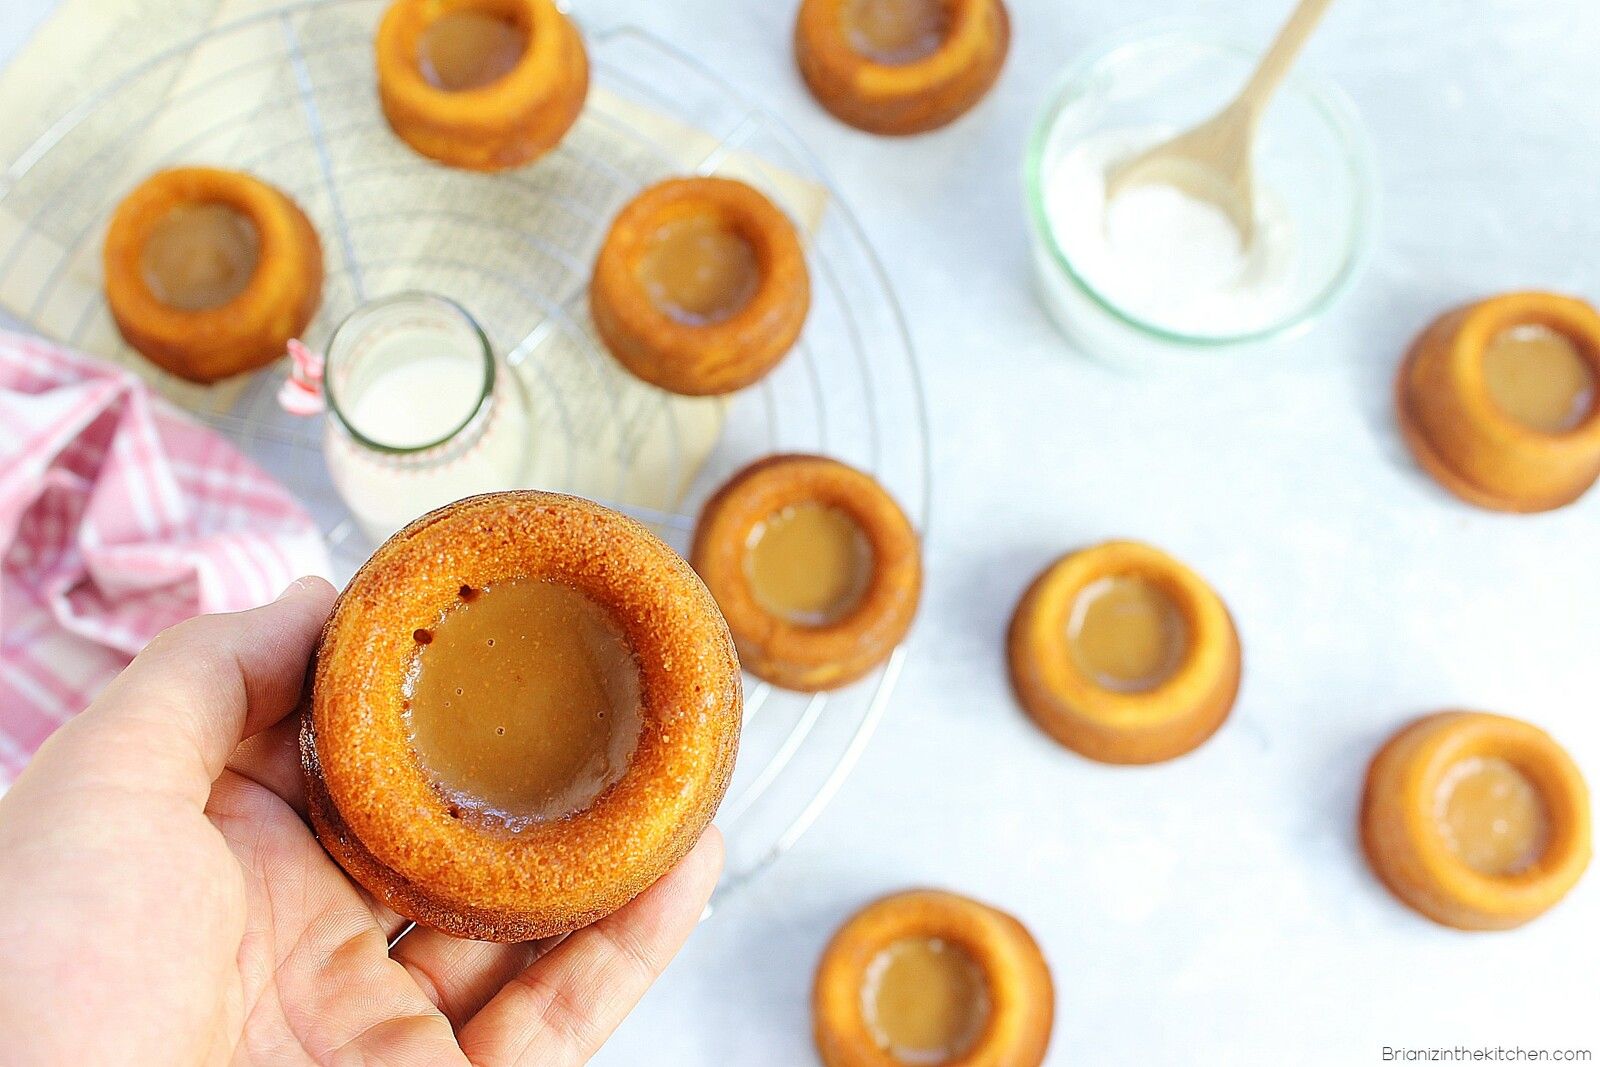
(525,710)
(701,286)
(1477,821)
(1497,401)
(1124,655)
(209,273)
(901,66)
(815,567)
(480,84)
(927,977)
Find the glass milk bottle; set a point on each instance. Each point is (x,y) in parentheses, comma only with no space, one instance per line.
(420,412)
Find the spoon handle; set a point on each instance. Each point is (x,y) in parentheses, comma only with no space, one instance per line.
(1285,47)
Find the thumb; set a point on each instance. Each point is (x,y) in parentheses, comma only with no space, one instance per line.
(169,722)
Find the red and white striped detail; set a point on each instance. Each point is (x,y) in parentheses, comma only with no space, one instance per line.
(119,517)
(301,393)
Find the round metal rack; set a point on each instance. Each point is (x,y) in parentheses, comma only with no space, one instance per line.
(289,94)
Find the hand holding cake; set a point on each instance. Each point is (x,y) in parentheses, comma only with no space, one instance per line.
(171,812)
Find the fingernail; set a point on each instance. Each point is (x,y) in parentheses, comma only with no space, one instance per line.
(294,587)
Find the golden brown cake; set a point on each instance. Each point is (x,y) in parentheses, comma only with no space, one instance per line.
(480,84)
(927,977)
(815,567)
(701,286)
(209,273)
(1477,821)
(1497,401)
(901,66)
(1124,655)
(525,710)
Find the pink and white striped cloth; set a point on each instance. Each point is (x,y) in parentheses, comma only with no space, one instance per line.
(118,517)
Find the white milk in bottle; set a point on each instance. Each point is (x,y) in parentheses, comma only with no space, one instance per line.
(420,412)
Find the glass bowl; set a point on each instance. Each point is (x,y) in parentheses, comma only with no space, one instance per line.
(1311,155)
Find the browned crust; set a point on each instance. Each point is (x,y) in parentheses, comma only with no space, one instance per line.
(404,897)
(904,99)
(1450,425)
(1400,837)
(1434,466)
(1021,993)
(1174,718)
(809,658)
(374,807)
(505,124)
(247,332)
(713,358)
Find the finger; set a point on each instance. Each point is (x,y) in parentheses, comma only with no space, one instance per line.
(169,722)
(391,923)
(351,1004)
(561,1009)
(270,761)
(461,976)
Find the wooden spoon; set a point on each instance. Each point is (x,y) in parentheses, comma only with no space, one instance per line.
(1212,161)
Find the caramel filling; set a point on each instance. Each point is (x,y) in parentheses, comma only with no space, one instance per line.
(200,256)
(924,1000)
(809,563)
(1492,816)
(523,702)
(1126,634)
(1539,377)
(698,270)
(896,31)
(468,50)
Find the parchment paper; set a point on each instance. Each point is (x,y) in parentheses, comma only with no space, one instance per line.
(291,97)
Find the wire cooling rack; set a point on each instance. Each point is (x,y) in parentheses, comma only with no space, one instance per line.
(300,110)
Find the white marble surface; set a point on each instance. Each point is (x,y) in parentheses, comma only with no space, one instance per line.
(1215,910)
